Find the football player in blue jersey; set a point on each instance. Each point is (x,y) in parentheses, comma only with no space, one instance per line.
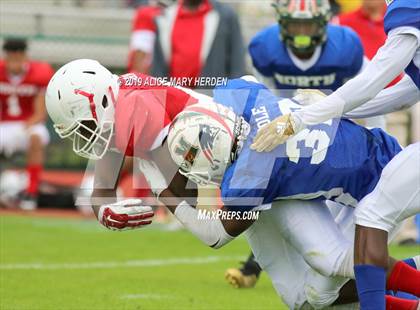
(337,160)
(392,200)
(302,51)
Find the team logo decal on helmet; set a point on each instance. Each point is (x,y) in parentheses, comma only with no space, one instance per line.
(188,152)
(201,141)
(206,137)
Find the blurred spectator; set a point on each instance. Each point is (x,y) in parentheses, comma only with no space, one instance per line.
(368,23)
(198,38)
(22,111)
(143,38)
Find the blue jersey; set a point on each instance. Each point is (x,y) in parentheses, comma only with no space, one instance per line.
(337,160)
(402,13)
(341,59)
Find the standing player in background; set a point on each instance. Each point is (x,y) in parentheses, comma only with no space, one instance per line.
(301,51)
(393,199)
(143,36)
(22,112)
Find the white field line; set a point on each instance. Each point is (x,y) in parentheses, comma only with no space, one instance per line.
(123,264)
(145,296)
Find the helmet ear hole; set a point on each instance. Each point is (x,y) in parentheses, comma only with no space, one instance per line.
(104,102)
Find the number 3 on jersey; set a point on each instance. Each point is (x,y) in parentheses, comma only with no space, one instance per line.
(315,139)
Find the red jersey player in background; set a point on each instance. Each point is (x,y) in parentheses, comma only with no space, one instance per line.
(143,36)
(22,112)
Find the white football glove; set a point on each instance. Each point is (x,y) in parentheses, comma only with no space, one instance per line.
(125,214)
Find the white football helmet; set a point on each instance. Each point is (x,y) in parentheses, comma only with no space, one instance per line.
(80,100)
(204,140)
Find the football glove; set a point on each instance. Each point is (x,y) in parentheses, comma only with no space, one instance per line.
(274,133)
(125,214)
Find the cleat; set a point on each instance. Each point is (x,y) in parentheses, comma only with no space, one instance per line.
(237,279)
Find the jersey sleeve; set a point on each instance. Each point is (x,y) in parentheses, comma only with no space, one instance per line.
(45,74)
(357,52)
(143,19)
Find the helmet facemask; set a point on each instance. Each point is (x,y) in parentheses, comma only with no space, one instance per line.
(302,30)
(91,138)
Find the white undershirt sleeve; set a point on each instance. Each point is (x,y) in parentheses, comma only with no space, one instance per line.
(401,96)
(143,40)
(209,231)
(390,60)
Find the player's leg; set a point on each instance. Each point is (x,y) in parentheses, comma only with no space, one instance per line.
(396,197)
(285,267)
(311,229)
(38,137)
(246,276)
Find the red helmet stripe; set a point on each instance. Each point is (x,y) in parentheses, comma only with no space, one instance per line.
(114,101)
(91,102)
(216,116)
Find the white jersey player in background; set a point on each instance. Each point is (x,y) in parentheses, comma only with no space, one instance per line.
(394,198)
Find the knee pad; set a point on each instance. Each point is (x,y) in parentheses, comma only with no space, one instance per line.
(321,291)
(335,262)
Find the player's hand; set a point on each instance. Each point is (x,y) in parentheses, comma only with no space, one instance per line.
(125,214)
(273,134)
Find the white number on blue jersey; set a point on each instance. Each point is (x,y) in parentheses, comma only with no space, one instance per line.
(317,140)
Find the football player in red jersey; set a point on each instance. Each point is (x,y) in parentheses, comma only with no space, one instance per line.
(22,111)
(129,116)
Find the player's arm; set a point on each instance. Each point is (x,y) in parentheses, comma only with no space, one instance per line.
(213,232)
(40,112)
(401,96)
(121,215)
(390,60)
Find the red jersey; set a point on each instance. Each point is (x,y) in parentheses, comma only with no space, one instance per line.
(370,32)
(17,94)
(143,113)
(144,21)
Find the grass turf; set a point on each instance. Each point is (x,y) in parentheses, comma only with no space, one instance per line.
(75,264)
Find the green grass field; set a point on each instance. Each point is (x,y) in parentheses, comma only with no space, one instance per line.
(50,263)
